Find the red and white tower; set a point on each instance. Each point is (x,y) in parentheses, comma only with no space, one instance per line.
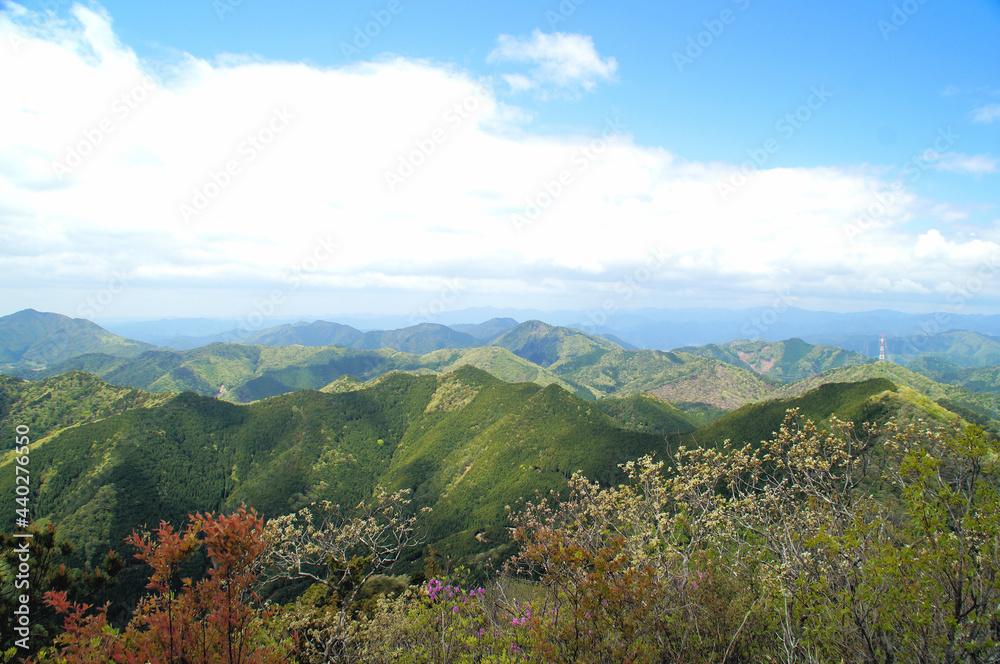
(881,349)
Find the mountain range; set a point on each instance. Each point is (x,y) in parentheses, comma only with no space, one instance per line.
(470,419)
(707,379)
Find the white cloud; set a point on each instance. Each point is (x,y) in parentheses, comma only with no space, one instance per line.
(420,176)
(563,60)
(987,114)
(963,163)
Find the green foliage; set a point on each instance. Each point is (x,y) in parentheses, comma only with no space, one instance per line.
(740,555)
(70,399)
(788,361)
(466,444)
(900,376)
(49,568)
(647,414)
(756,422)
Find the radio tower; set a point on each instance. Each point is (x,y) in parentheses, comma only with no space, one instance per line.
(881,349)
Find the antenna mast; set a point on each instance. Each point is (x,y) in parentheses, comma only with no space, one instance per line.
(881,349)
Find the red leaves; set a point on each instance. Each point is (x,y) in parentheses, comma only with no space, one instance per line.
(58,601)
(208,620)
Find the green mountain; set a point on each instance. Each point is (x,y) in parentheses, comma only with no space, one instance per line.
(487,330)
(73,398)
(648,414)
(109,460)
(318,333)
(974,379)
(465,442)
(932,396)
(985,379)
(961,347)
(965,349)
(417,339)
(31,339)
(936,368)
(242,374)
(752,423)
(702,387)
(501,363)
(674,377)
(561,349)
(787,361)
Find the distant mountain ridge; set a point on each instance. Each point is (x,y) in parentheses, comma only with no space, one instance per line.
(702,381)
(963,348)
(787,361)
(420,338)
(32,338)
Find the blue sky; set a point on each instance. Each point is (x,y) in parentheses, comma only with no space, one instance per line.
(221,157)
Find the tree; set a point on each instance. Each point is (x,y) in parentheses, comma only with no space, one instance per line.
(870,544)
(209,620)
(948,577)
(341,553)
(47,569)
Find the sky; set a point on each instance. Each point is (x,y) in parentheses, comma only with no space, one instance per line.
(264,160)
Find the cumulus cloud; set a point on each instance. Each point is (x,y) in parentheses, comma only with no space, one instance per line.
(372,187)
(567,61)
